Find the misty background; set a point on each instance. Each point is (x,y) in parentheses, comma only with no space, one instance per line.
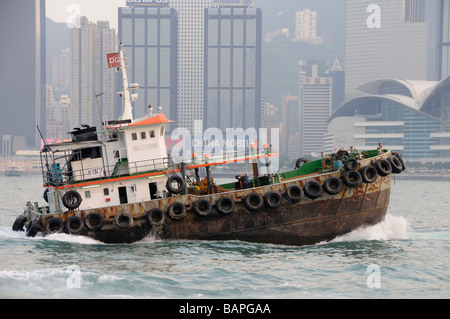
(279,57)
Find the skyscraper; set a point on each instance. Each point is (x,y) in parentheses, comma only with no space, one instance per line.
(149,35)
(214,72)
(443,39)
(93,95)
(315,100)
(384,39)
(306,26)
(338,75)
(23,76)
(191,25)
(232,78)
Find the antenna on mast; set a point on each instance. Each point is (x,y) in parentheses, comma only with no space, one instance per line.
(127,113)
(98,106)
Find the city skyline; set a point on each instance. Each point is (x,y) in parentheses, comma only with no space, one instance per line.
(363,19)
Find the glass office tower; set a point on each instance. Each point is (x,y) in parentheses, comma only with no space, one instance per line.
(150,38)
(232,76)
(23,76)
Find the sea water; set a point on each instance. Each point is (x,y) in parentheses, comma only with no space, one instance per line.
(405,256)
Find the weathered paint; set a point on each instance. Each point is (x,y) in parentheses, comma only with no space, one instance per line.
(306,222)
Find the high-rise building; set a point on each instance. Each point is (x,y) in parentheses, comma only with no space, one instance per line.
(149,35)
(306,26)
(443,39)
(315,101)
(23,75)
(338,75)
(290,127)
(61,70)
(191,26)
(92,93)
(384,39)
(232,62)
(206,53)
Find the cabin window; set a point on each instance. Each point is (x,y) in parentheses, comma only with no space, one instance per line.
(106,191)
(134,136)
(162,131)
(87,194)
(152,133)
(143,135)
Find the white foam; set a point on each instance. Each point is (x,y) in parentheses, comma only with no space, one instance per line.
(393,227)
(76,239)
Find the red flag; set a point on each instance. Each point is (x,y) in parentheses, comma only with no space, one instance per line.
(113,60)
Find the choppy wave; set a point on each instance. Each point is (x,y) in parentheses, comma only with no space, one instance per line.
(410,246)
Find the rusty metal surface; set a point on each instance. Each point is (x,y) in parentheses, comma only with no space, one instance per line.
(306,222)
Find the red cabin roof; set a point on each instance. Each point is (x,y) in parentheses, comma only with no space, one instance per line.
(158,119)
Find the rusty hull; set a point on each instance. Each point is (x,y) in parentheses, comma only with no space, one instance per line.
(306,222)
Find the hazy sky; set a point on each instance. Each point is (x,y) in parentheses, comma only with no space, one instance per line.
(94,10)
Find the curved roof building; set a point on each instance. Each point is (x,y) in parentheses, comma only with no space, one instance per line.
(411,117)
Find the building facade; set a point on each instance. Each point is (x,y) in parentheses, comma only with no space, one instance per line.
(191,25)
(315,105)
(205,60)
(23,76)
(337,73)
(149,35)
(384,39)
(443,39)
(290,135)
(306,26)
(92,89)
(410,117)
(232,64)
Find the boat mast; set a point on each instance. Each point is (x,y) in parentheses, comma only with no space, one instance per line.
(127,112)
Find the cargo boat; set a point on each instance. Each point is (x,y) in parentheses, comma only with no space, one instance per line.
(119,185)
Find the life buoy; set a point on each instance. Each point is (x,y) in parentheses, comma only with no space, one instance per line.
(32,228)
(19,223)
(312,189)
(332,185)
(299,163)
(176,210)
(180,184)
(156,217)
(352,179)
(74,225)
(225,205)
(123,220)
(72,199)
(383,167)
(396,165)
(273,199)
(369,174)
(94,221)
(253,201)
(294,193)
(54,226)
(202,207)
(350,164)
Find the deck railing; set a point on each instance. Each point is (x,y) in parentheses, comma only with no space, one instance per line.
(55,176)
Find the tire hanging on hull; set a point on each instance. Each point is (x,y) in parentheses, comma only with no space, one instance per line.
(253,201)
(294,193)
(312,189)
(74,225)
